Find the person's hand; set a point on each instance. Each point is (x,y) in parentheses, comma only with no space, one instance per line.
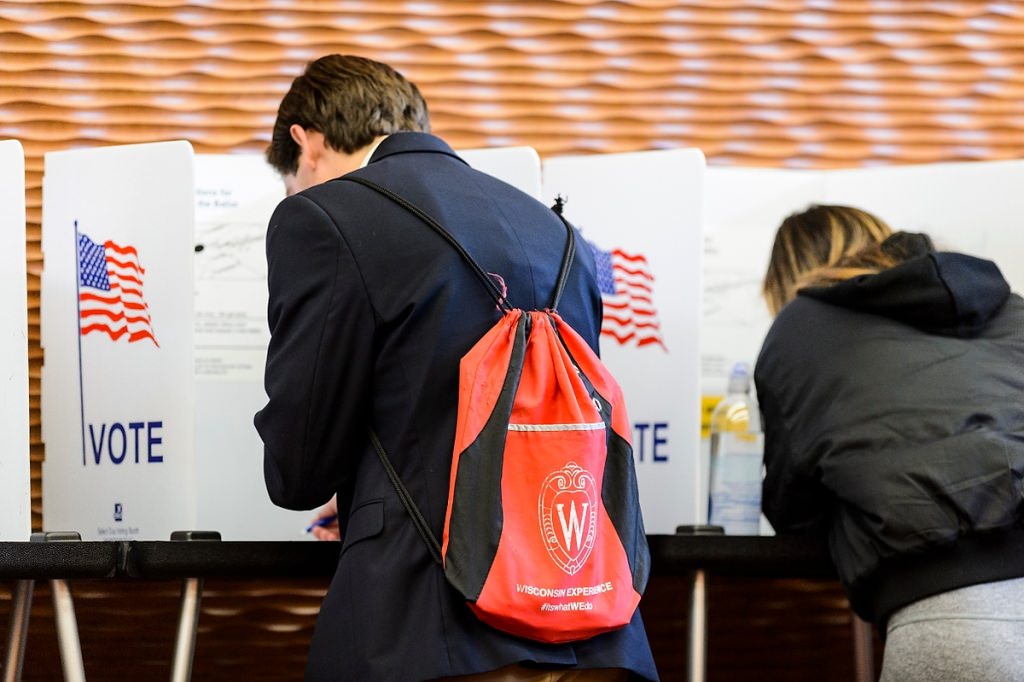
(325,523)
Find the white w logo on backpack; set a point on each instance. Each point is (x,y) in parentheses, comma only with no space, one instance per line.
(573,527)
(575,488)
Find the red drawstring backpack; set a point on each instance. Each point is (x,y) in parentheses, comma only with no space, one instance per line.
(543,534)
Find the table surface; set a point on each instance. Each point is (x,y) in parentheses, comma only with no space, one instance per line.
(782,556)
(47,560)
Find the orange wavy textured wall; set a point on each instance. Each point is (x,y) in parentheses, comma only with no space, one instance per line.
(820,83)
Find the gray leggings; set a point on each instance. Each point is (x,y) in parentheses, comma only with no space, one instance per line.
(973,634)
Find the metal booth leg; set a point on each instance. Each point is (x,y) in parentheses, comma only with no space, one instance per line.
(188,620)
(67,632)
(697,650)
(697,644)
(863,650)
(17,634)
(188,624)
(64,613)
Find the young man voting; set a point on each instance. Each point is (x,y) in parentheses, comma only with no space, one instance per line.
(370,312)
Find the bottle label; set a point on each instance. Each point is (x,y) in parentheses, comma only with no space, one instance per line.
(736,466)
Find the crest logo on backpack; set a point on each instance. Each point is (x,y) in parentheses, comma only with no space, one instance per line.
(568,516)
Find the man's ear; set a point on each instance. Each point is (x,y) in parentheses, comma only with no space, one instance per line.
(309,150)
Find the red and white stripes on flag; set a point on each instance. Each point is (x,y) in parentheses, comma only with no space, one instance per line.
(627,290)
(110,298)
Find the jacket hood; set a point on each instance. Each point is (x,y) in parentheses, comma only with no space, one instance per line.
(949,294)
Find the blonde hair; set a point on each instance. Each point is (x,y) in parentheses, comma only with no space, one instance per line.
(816,241)
(872,259)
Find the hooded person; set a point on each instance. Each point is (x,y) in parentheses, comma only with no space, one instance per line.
(892,390)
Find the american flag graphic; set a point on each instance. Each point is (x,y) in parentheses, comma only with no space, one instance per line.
(110,291)
(627,290)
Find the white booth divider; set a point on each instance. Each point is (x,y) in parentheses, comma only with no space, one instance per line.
(148,415)
(148,406)
(518,166)
(15,486)
(742,208)
(640,213)
(235,196)
(118,395)
(974,208)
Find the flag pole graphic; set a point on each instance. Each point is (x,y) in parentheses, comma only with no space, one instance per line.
(78,333)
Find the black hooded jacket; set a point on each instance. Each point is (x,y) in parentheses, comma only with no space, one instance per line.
(893,407)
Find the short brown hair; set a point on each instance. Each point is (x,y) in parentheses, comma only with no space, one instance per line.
(819,237)
(350,100)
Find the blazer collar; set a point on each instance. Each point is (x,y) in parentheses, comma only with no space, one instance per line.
(409,142)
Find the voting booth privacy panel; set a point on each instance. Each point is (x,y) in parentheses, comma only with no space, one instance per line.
(154,312)
(164,371)
(15,486)
(235,196)
(518,166)
(118,395)
(158,254)
(645,236)
(973,208)
(154,326)
(640,214)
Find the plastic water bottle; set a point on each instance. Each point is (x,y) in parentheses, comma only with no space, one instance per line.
(737,450)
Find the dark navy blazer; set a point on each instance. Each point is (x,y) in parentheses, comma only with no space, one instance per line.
(370,312)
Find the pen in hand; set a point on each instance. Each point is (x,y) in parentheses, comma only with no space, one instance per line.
(320,523)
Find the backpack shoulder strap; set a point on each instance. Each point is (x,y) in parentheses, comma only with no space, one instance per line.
(422,527)
(567,258)
(485,279)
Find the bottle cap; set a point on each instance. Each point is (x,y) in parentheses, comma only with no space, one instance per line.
(739,378)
